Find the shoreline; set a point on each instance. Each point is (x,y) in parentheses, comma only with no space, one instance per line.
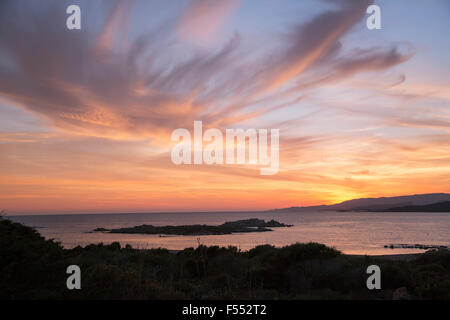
(392,257)
(71,239)
(297,271)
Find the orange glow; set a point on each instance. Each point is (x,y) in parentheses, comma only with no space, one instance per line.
(86,117)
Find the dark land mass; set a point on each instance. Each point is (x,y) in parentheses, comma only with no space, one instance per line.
(240,226)
(435,207)
(32,267)
(416,246)
(375,204)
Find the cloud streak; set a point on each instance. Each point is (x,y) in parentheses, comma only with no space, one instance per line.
(202,19)
(110,95)
(81,84)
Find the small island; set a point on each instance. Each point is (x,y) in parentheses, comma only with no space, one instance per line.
(239,226)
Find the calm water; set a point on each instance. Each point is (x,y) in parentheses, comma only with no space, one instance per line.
(350,232)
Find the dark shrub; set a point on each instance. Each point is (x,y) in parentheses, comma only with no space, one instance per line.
(260,250)
(34,268)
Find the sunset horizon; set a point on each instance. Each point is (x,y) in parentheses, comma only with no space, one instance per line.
(212,210)
(222,158)
(86,125)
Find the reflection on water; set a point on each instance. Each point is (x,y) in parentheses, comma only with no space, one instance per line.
(350,232)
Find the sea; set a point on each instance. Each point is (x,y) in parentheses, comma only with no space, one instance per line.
(365,233)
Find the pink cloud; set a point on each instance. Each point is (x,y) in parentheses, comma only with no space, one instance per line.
(202,19)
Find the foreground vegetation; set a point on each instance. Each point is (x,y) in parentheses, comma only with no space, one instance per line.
(34,268)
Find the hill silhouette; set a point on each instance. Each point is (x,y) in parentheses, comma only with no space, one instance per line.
(435,207)
(375,204)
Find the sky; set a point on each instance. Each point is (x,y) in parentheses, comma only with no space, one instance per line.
(86,116)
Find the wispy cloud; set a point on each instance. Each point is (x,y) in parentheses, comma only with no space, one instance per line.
(202,19)
(115,94)
(112,95)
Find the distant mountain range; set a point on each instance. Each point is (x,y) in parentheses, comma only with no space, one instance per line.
(435,207)
(376,204)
